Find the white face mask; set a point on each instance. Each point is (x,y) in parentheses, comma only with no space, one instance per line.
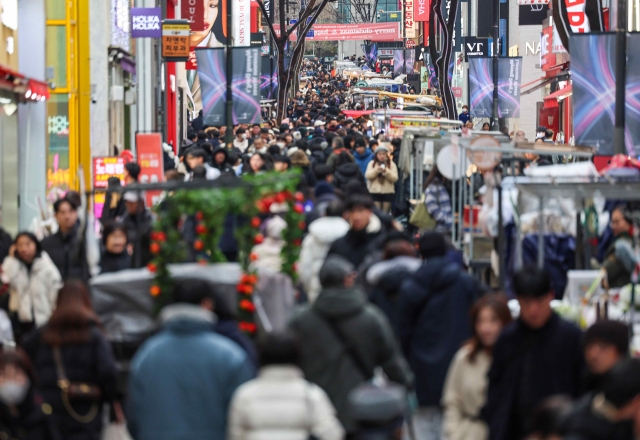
(13,393)
(244,136)
(280,144)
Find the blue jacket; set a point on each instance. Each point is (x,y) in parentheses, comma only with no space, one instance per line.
(182,379)
(433,322)
(363,159)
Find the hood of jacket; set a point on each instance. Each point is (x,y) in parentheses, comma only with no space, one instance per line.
(379,272)
(348,169)
(438,273)
(340,302)
(328,229)
(366,157)
(187,318)
(219,149)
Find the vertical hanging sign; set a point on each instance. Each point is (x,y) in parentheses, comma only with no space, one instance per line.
(193,11)
(409,23)
(422,8)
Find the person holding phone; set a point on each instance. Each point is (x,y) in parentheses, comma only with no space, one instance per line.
(381,175)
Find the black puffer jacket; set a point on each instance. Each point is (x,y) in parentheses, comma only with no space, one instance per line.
(28,420)
(224,167)
(68,256)
(110,263)
(91,363)
(5,244)
(345,173)
(584,424)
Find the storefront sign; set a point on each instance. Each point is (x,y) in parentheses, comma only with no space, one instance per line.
(175,40)
(558,47)
(409,24)
(103,169)
(193,12)
(422,10)
(577,17)
(241,23)
(547,58)
(385,52)
(150,159)
(401,122)
(476,47)
(145,22)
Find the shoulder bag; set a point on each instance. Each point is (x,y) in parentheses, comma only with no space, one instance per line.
(76,392)
(421,218)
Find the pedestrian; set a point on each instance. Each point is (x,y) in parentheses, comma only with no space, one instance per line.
(537,356)
(240,141)
(131,173)
(221,163)
(269,252)
(315,246)
(139,222)
(486,126)
(385,277)
(113,204)
(5,244)
(33,281)
(438,200)
(23,415)
(362,155)
(333,154)
(280,403)
(346,170)
(115,256)
(324,194)
(605,344)
(466,384)
(344,338)
(183,378)
(381,175)
(196,157)
(611,413)
(299,160)
(434,307)
(464,117)
(365,233)
(64,248)
(258,163)
(74,363)
(618,273)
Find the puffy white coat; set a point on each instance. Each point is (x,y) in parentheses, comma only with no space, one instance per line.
(315,246)
(33,294)
(281,405)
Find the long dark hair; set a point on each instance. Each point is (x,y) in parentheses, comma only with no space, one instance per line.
(433,175)
(498,304)
(72,318)
(219,26)
(31,237)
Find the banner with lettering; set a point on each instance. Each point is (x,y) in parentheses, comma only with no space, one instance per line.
(632,96)
(594,89)
(509,79)
(573,17)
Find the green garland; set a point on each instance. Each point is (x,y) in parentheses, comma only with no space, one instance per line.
(209,208)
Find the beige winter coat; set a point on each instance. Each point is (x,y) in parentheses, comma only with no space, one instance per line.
(33,294)
(281,405)
(381,182)
(464,396)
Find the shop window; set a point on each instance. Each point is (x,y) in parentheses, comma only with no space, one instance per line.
(56,9)
(57,54)
(58,172)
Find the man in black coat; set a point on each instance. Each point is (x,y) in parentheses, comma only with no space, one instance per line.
(220,162)
(606,343)
(610,413)
(537,356)
(63,247)
(433,323)
(365,235)
(5,244)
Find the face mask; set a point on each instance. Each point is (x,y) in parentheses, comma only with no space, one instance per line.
(244,136)
(280,144)
(12,393)
(465,110)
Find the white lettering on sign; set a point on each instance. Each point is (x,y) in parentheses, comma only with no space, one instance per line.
(577,17)
(532,48)
(146,23)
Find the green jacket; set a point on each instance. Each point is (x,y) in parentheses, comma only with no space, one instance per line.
(325,360)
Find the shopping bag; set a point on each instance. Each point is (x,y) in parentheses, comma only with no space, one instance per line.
(116,431)
(421,218)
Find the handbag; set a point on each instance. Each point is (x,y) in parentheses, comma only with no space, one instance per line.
(76,392)
(421,219)
(116,430)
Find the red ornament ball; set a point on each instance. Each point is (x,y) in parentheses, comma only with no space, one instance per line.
(299,197)
(152,267)
(199,216)
(302,225)
(198,245)
(253,257)
(258,239)
(299,209)
(201,229)
(255,222)
(155,291)
(280,198)
(154,248)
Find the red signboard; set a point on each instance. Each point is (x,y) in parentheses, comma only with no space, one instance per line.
(192,63)
(547,57)
(375,32)
(103,168)
(193,10)
(421,10)
(150,159)
(411,44)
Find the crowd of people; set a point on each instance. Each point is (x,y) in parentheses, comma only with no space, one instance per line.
(392,338)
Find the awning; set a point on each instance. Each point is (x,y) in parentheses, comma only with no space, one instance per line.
(25,89)
(551,101)
(355,114)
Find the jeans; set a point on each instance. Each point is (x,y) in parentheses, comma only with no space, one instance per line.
(427,424)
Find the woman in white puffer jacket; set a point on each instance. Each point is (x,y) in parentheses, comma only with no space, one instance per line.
(280,404)
(33,281)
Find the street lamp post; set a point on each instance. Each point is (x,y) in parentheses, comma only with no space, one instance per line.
(621,66)
(496,48)
(229,107)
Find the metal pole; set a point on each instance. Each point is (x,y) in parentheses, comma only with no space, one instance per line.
(229,109)
(621,61)
(496,46)
(541,235)
(501,240)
